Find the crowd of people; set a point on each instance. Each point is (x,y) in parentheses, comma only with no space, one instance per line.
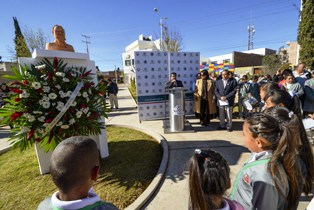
(224,89)
(279,169)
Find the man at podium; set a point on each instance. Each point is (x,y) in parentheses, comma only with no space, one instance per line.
(173,81)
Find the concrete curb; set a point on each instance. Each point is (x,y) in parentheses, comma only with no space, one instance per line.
(5,149)
(145,196)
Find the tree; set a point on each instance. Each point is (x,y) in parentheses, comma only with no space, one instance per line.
(35,39)
(172,40)
(272,62)
(306,33)
(21,48)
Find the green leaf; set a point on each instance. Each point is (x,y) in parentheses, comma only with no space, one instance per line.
(11,77)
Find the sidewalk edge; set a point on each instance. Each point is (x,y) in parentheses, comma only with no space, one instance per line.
(146,195)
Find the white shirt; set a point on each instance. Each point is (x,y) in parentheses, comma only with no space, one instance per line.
(225,82)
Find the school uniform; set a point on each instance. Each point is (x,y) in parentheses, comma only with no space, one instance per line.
(254,187)
(93,202)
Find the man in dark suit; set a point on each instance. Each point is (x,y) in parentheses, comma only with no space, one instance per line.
(225,91)
(173,81)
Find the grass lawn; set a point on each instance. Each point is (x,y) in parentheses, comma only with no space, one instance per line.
(133,163)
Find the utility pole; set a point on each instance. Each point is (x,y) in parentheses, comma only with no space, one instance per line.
(115,72)
(86,42)
(251,32)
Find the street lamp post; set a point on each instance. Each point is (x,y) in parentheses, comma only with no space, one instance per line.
(161,28)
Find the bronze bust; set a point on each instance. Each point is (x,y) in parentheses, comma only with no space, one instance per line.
(59,43)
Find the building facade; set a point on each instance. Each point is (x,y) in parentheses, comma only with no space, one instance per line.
(141,44)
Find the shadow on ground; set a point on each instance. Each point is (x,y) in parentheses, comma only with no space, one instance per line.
(122,111)
(181,151)
(131,164)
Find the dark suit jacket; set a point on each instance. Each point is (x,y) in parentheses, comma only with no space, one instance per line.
(171,84)
(229,92)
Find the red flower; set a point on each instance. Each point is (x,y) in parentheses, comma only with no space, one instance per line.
(50,137)
(25,82)
(37,139)
(83,106)
(16,115)
(86,74)
(55,63)
(88,85)
(30,134)
(17,99)
(15,90)
(15,83)
(48,120)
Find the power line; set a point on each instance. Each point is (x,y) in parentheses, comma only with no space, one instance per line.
(86,42)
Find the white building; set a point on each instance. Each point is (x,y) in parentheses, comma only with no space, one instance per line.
(142,44)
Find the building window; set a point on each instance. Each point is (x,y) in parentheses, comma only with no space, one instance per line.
(227,61)
(127,62)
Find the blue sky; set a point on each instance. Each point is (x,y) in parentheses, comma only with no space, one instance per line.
(209,27)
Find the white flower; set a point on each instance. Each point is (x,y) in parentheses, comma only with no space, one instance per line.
(85,110)
(52,95)
(66,80)
(88,114)
(90,91)
(41,119)
(72,121)
(73,103)
(36,85)
(59,123)
(65,126)
(79,94)
(24,129)
(60,105)
(26,115)
(85,95)
(74,75)
(45,83)
(46,104)
(46,89)
(39,67)
(60,74)
(41,131)
(24,94)
(46,124)
(79,114)
(37,112)
(87,100)
(45,98)
(53,104)
(58,87)
(62,94)
(41,102)
(69,93)
(31,118)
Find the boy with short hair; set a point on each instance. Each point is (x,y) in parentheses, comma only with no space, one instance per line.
(74,167)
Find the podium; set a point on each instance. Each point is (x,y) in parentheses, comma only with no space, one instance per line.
(176,108)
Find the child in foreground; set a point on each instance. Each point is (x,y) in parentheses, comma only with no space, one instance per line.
(269,179)
(209,179)
(74,167)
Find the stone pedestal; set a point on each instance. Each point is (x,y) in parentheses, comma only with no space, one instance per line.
(75,60)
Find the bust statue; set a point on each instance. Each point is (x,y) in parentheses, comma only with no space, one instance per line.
(59,43)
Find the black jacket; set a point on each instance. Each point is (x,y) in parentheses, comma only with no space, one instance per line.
(176,83)
(229,91)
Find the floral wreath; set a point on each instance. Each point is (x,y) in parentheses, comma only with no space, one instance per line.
(50,102)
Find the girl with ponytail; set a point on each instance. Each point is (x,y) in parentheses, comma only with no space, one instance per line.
(282,98)
(209,179)
(269,179)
